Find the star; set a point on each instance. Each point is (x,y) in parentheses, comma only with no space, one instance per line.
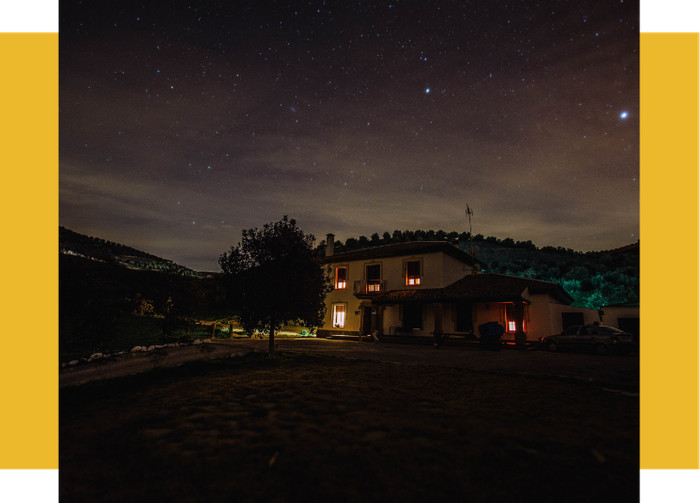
(623,115)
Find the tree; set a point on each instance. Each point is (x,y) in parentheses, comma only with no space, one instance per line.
(351,244)
(274,279)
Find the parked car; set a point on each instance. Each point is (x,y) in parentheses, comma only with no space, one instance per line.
(599,338)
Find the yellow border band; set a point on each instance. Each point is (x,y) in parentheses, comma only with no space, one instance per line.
(28,252)
(669,250)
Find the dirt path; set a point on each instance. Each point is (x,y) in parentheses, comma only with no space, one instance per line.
(619,372)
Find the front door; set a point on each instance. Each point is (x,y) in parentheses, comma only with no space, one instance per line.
(412,316)
(366,320)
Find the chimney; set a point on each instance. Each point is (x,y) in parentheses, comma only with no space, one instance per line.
(330,244)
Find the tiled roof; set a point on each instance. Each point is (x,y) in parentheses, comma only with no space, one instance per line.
(399,249)
(478,288)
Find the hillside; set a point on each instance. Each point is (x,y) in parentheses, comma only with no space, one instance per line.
(97,249)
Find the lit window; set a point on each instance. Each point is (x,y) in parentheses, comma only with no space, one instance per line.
(374,281)
(413,272)
(338,315)
(511,326)
(341,274)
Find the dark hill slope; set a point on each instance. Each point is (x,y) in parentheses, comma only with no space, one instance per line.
(73,243)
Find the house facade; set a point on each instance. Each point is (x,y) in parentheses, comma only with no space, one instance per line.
(432,287)
(362,275)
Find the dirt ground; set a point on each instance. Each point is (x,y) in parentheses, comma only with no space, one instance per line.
(617,372)
(462,425)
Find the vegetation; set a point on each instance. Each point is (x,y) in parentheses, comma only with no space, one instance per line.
(593,279)
(273,279)
(105,307)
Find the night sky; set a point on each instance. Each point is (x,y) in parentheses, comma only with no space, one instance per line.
(183,123)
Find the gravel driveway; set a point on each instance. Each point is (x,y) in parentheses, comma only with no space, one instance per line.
(617,372)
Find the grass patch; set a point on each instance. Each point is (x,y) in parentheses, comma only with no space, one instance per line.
(129,330)
(304,426)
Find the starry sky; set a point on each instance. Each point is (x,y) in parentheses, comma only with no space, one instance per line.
(182,123)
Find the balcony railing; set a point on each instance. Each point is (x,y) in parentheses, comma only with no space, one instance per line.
(369,288)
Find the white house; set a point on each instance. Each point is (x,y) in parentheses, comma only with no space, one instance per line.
(428,287)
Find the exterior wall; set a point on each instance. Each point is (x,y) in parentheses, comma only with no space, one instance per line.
(589,316)
(623,317)
(537,318)
(355,272)
(540,320)
(453,270)
(612,314)
(542,316)
(392,320)
(345,296)
(485,313)
(437,270)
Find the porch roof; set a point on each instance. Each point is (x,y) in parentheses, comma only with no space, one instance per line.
(478,288)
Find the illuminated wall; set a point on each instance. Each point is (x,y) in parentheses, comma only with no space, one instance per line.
(437,271)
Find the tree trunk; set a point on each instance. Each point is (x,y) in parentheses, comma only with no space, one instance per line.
(271,346)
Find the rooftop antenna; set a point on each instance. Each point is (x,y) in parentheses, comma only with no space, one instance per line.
(472,249)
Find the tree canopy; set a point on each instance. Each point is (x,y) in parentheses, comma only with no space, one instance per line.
(274,278)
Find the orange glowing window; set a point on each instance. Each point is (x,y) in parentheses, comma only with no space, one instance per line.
(511,326)
(341,280)
(413,272)
(373,273)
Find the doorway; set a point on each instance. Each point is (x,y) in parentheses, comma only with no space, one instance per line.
(366,320)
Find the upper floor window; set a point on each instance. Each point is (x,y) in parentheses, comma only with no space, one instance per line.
(373,273)
(341,278)
(413,272)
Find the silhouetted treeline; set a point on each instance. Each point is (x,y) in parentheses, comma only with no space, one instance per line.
(419,235)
